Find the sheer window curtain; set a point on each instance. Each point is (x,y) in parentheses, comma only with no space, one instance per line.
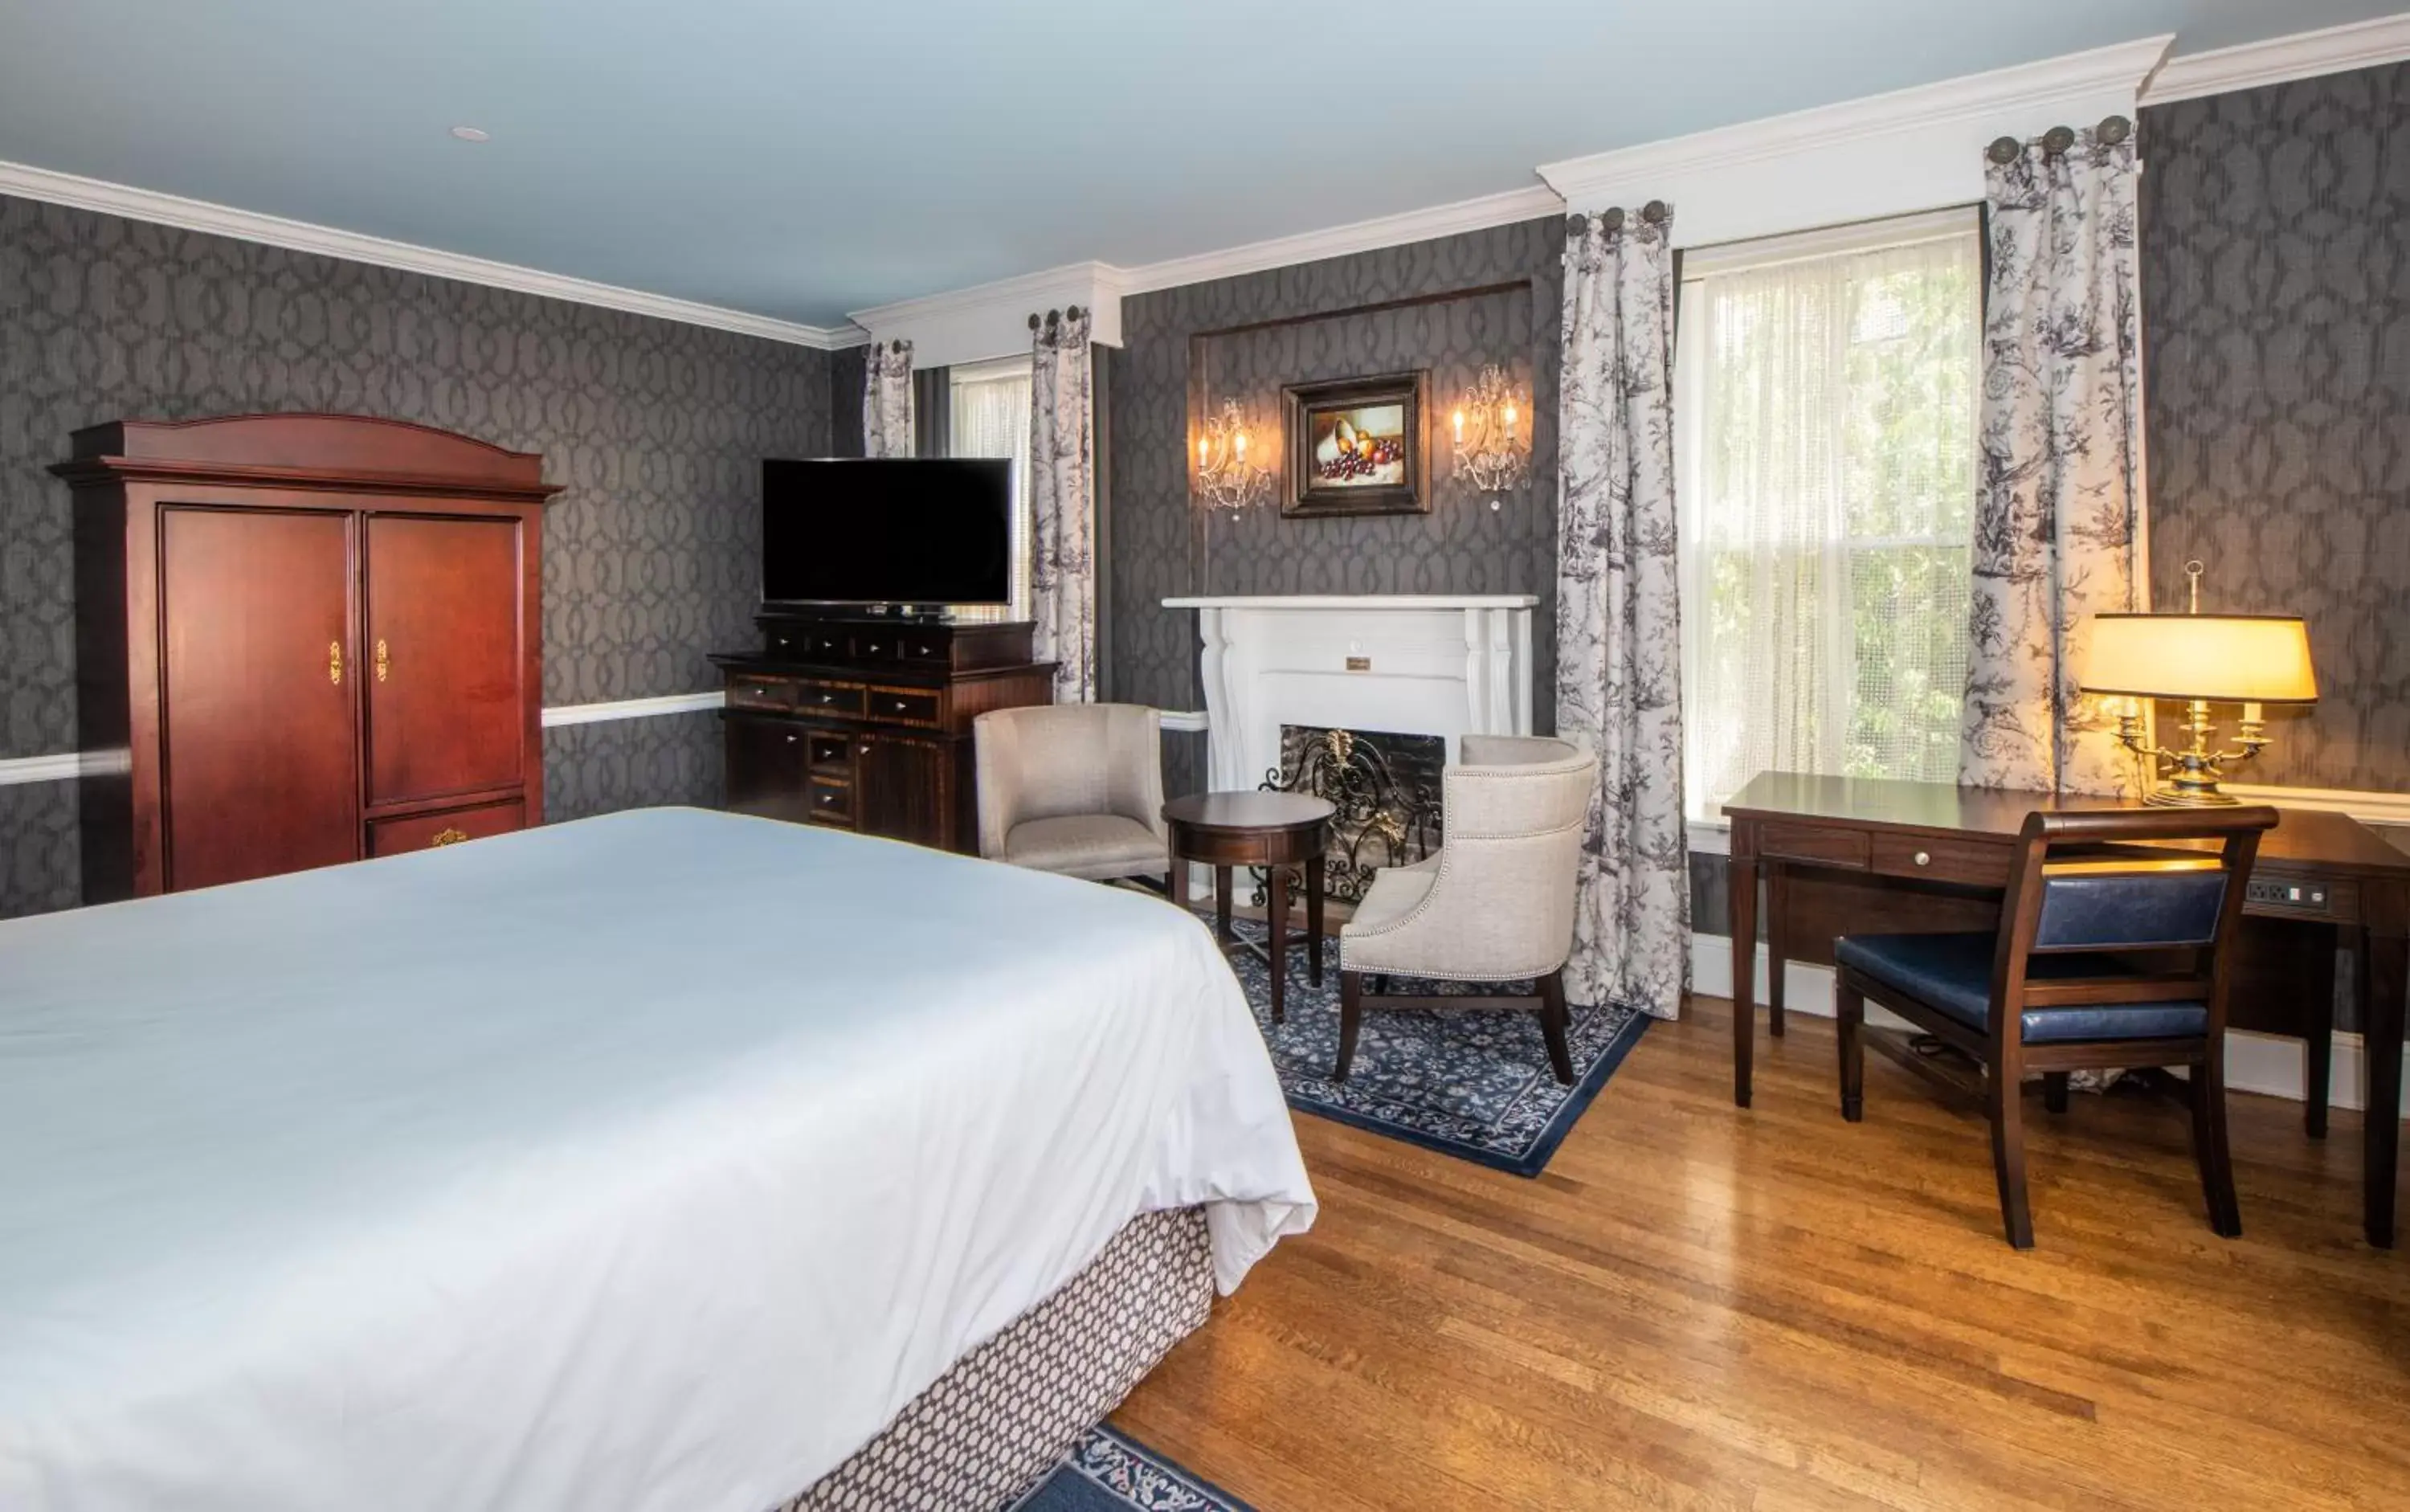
(991,418)
(1825,426)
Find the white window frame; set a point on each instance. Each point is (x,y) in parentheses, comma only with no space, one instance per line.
(1710,831)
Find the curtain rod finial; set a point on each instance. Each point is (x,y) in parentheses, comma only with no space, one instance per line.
(2004,151)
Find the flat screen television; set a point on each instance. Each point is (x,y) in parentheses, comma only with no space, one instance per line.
(887,530)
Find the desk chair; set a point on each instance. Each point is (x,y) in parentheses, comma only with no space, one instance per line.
(2111,951)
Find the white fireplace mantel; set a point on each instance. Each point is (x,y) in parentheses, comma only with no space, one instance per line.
(1447,664)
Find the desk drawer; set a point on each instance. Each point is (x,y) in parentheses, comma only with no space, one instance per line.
(830,698)
(903,705)
(1974,862)
(1814,844)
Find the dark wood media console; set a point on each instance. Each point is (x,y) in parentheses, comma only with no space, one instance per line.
(863,723)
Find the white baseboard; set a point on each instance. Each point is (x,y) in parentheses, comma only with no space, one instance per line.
(2272,1065)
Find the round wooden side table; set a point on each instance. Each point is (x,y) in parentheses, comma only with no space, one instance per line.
(1273,830)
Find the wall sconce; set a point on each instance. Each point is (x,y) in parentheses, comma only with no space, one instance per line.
(1225,479)
(1493,436)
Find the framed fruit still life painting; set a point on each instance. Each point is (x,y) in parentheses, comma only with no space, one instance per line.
(1358,446)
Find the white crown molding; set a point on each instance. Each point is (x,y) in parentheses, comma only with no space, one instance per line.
(2019,91)
(69,189)
(1344,241)
(2303,55)
(992,320)
(1885,154)
(631,708)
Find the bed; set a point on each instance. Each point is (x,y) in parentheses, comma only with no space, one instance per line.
(667,1161)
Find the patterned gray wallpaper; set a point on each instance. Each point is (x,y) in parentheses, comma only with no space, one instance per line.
(2276,303)
(1158,547)
(657,429)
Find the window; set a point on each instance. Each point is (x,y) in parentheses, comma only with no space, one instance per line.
(989,417)
(1825,443)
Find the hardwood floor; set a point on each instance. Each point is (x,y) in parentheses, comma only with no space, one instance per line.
(1700,1307)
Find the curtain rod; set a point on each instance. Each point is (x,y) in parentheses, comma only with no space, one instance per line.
(2112,130)
(1654,213)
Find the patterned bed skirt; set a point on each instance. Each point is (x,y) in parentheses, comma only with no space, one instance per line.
(994,1425)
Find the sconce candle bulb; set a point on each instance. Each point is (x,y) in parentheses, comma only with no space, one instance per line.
(1224,478)
(1487,453)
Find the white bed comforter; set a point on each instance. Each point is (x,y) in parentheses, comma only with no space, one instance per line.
(652,1161)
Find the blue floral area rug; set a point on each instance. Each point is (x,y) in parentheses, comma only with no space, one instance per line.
(1108,1472)
(1476,1085)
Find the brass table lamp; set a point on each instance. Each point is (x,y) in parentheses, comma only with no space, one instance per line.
(2198,659)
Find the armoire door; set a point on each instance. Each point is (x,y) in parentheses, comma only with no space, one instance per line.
(445,668)
(262,773)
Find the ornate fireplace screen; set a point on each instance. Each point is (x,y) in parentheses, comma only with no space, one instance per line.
(1387,789)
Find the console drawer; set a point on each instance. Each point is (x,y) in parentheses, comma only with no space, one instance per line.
(830,698)
(878,645)
(905,706)
(830,753)
(831,801)
(1971,862)
(927,649)
(760,693)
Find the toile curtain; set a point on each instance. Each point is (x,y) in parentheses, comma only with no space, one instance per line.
(2058,511)
(1063,504)
(1618,614)
(887,400)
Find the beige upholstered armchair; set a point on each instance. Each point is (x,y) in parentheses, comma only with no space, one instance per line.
(1496,904)
(1073,788)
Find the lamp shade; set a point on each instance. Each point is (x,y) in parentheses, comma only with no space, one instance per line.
(2225,659)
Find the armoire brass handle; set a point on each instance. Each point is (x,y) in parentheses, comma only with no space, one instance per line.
(448,836)
(335,662)
(383,661)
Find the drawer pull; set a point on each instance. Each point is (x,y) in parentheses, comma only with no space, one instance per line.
(901,706)
(865,749)
(791,740)
(1925,858)
(828,698)
(447,836)
(872,648)
(335,662)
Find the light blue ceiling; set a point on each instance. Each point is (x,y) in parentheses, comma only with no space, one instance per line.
(801,160)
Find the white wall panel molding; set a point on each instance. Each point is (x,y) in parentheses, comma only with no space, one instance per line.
(631,708)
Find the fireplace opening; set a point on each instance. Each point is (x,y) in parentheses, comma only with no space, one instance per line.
(1385,787)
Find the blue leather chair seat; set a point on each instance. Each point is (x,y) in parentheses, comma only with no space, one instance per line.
(1953,973)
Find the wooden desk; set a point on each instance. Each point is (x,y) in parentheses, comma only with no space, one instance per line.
(2316,867)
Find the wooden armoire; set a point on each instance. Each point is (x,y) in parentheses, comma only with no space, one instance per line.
(301,639)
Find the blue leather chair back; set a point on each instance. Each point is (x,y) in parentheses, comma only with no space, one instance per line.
(2129,904)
